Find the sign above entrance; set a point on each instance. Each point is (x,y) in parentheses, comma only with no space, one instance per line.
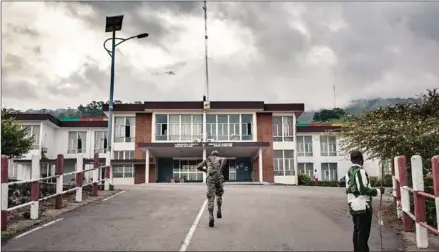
(209,145)
(186,145)
(219,145)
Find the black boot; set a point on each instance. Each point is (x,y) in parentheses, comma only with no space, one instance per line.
(211,223)
(219,215)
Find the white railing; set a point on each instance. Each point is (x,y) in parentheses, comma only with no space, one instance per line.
(36,180)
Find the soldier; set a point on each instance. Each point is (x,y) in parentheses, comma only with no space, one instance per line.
(214,181)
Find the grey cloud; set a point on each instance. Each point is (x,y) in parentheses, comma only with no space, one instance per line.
(424,21)
(18,90)
(24,30)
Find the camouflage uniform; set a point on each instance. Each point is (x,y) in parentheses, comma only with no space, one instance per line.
(214,181)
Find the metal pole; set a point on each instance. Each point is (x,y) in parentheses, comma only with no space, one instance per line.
(110,107)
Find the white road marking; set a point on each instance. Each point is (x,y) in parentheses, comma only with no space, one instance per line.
(37,228)
(189,235)
(113,196)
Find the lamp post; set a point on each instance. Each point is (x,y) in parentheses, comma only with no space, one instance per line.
(114,24)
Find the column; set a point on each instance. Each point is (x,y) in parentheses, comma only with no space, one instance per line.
(204,138)
(261,176)
(204,158)
(147,166)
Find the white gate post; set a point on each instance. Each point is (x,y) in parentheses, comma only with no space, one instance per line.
(35,189)
(107,171)
(79,175)
(419,201)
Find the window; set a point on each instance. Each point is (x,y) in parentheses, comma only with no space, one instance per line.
(283,162)
(233,127)
(174,127)
(186,169)
(77,142)
(122,155)
(125,129)
(329,171)
(283,128)
(328,146)
(123,171)
(12,170)
(33,131)
(101,141)
(304,146)
(306,168)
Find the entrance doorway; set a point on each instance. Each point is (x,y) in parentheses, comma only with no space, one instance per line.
(229,171)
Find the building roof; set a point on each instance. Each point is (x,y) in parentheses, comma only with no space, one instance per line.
(198,105)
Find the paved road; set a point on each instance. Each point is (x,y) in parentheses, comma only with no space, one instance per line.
(158,217)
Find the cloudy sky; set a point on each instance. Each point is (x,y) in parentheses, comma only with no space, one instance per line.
(52,53)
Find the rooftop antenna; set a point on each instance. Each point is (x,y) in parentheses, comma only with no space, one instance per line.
(206,87)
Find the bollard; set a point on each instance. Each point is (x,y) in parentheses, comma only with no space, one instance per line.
(397,188)
(419,202)
(405,198)
(79,175)
(95,175)
(4,193)
(35,189)
(59,180)
(435,170)
(107,171)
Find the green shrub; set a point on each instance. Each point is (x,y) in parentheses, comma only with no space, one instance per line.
(328,183)
(304,179)
(374,181)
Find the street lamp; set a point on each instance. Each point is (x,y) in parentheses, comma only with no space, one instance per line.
(114,24)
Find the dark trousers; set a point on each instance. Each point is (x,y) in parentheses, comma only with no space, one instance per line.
(362,224)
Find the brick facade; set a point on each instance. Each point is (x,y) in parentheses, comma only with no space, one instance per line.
(143,135)
(265,134)
(143,132)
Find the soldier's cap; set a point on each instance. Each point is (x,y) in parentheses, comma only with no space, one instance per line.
(214,153)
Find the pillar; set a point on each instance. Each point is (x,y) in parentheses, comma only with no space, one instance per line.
(79,175)
(95,175)
(204,158)
(419,202)
(4,193)
(107,171)
(147,166)
(59,180)
(35,189)
(261,175)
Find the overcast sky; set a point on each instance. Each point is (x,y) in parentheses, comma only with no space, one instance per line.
(52,54)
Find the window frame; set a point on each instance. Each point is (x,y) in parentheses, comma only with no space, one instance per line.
(123,155)
(325,146)
(31,132)
(120,130)
(306,168)
(126,169)
(279,130)
(302,145)
(226,127)
(83,144)
(287,163)
(328,167)
(100,135)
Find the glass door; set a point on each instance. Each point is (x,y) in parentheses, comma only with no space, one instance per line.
(232,169)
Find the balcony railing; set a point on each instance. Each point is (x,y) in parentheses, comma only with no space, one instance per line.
(75,151)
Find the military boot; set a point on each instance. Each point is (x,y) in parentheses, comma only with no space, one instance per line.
(219,215)
(211,223)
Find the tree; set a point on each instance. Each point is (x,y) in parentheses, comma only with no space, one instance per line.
(327,115)
(15,140)
(402,129)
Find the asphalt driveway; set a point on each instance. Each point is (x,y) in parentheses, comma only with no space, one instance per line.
(159,217)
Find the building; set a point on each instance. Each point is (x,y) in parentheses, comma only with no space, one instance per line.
(157,141)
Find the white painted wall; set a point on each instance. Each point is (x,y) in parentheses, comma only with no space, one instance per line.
(289,180)
(48,139)
(123,181)
(342,159)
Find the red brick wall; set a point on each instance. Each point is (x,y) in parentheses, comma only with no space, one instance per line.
(143,135)
(139,174)
(152,171)
(143,132)
(265,134)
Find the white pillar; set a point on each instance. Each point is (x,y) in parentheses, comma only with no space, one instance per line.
(418,186)
(79,168)
(261,175)
(147,166)
(204,158)
(107,163)
(35,175)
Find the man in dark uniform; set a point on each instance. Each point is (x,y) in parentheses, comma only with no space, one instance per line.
(214,182)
